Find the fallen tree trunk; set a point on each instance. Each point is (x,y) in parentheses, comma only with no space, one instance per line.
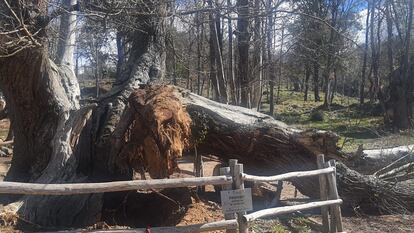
(376,161)
(259,141)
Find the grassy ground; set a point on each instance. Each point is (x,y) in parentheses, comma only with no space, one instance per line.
(354,123)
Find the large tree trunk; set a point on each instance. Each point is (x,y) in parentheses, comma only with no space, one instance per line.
(56,141)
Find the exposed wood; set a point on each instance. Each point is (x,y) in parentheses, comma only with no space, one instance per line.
(289,209)
(287,176)
(83,188)
(205,227)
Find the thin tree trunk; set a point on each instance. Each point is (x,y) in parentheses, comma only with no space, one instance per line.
(307,76)
(67,36)
(389,38)
(120,45)
(364,62)
(257,56)
(316,81)
(243,48)
(216,62)
(230,74)
(199,39)
(279,82)
(269,65)
(334,87)
(375,50)
(97,69)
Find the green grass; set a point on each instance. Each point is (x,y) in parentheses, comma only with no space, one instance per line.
(278,228)
(353,123)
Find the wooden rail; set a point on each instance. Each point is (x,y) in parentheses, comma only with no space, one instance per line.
(287,176)
(288,209)
(204,227)
(83,188)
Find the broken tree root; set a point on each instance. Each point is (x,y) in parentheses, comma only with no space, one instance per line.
(158,133)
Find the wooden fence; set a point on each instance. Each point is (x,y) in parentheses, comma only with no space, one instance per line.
(231,178)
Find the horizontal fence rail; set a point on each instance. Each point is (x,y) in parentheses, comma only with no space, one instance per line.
(288,209)
(287,176)
(203,227)
(116,186)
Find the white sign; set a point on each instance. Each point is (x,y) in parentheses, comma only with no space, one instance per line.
(233,201)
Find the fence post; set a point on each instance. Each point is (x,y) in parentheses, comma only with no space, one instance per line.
(333,194)
(323,194)
(225,171)
(198,169)
(237,172)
